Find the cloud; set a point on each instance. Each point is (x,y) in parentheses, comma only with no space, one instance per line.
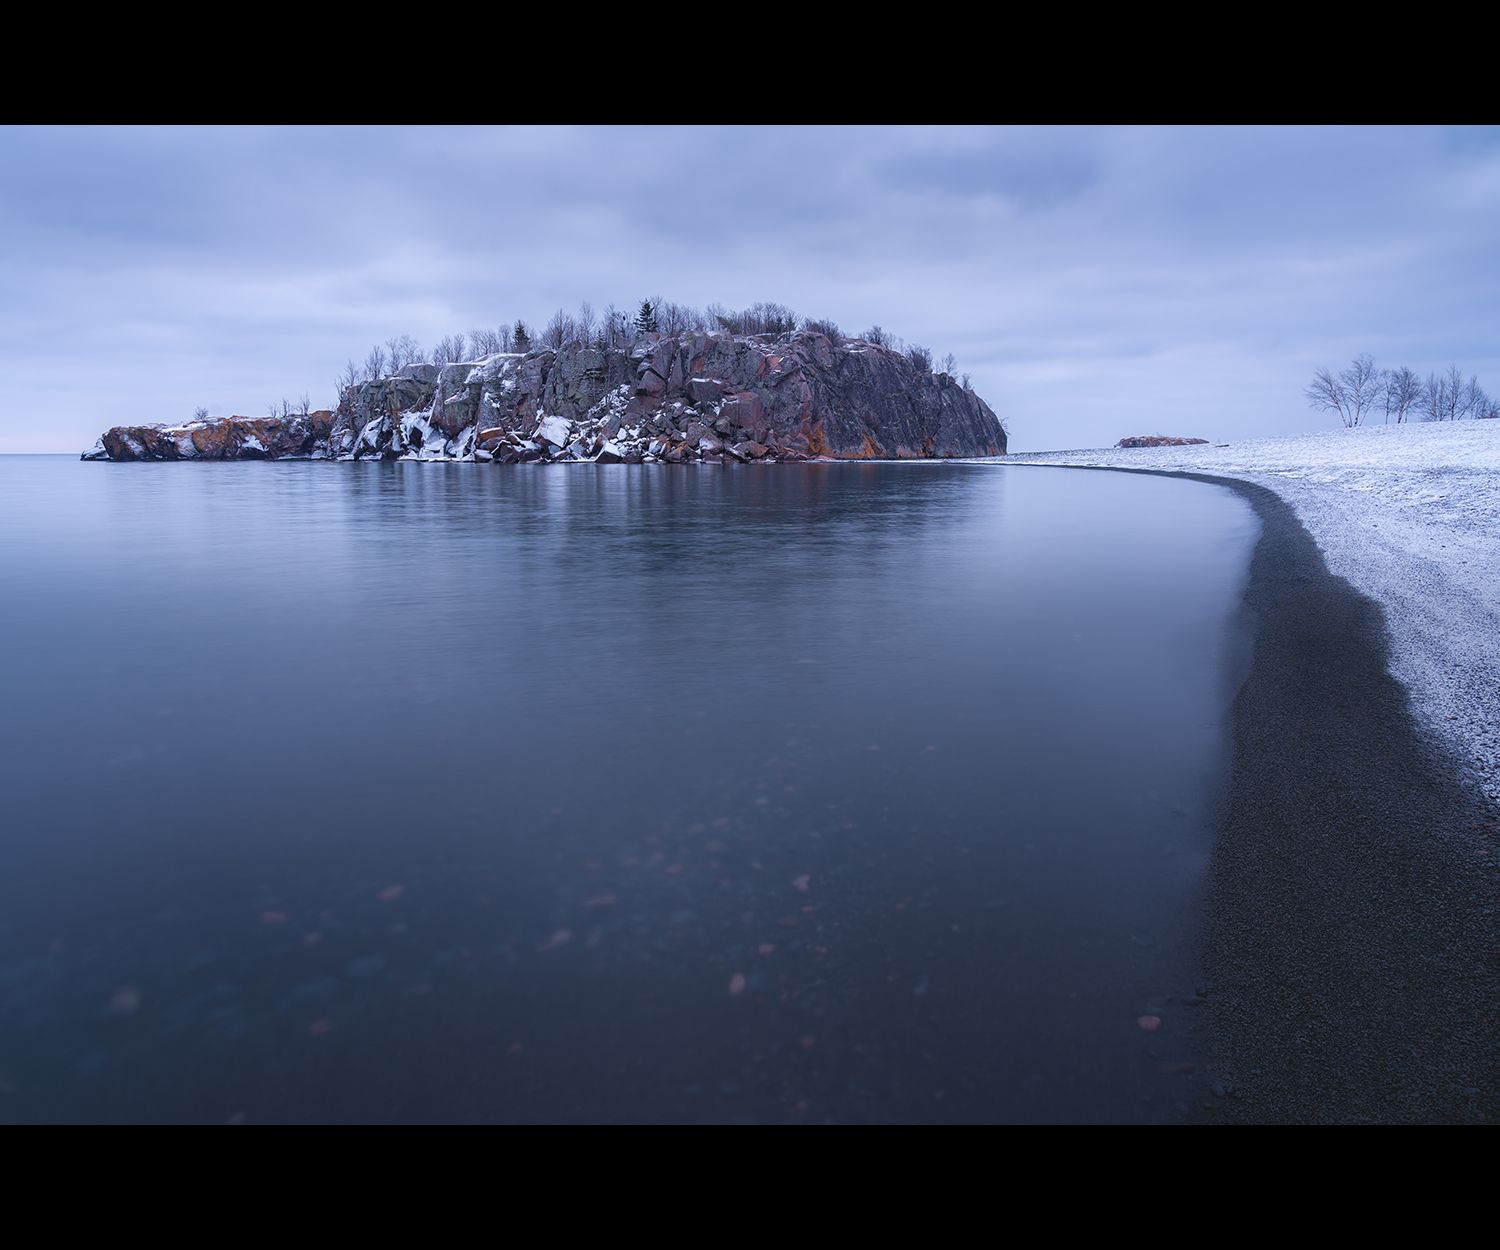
(1093,282)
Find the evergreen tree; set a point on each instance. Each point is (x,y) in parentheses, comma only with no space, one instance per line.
(522,338)
(645,320)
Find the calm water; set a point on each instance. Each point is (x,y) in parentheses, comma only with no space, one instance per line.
(454,792)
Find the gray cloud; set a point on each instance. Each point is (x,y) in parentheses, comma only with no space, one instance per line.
(1094,282)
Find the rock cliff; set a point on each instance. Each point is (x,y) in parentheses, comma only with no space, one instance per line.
(693,397)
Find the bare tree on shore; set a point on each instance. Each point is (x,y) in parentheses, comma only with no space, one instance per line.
(1399,391)
(1442,396)
(1349,392)
(1472,399)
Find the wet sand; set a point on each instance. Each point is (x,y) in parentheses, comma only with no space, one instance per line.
(1352,942)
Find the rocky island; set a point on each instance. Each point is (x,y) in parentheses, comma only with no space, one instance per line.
(695,397)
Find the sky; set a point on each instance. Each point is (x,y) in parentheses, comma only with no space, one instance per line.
(1094,283)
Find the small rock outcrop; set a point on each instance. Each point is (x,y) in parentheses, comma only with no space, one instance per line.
(302,435)
(697,397)
(1158,440)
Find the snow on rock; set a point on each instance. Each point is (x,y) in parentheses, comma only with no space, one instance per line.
(1410,516)
(552,430)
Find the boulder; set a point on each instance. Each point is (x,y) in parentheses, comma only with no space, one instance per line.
(552,430)
(704,390)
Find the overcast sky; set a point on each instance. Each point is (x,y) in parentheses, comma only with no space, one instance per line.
(1095,283)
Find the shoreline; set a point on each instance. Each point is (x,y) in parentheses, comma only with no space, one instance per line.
(1350,940)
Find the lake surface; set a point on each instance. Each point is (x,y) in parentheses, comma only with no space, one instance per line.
(416,792)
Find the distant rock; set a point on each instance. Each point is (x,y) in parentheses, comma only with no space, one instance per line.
(695,397)
(1158,440)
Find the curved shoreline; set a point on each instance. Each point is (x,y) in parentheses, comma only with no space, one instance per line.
(1352,942)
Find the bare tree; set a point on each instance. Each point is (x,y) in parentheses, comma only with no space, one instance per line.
(820,325)
(876,337)
(1471,399)
(950,363)
(560,331)
(271,411)
(1433,402)
(403,351)
(616,327)
(1361,385)
(964,382)
(678,318)
(1353,392)
(347,378)
(1325,393)
(506,337)
(443,351)
(920,357)
(304,405)
(1445,396)
(484,342)
(375,364)
(587,323)
(1399,392)
(200,414)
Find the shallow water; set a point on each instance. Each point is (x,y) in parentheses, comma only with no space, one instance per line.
(455,792)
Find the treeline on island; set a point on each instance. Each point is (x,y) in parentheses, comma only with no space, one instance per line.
(613,329)
(1362,391)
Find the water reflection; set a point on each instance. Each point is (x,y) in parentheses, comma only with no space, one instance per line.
(456,792)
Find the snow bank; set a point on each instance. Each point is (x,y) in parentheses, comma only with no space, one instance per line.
(1410,516)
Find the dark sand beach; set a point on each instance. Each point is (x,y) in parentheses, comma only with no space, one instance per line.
(1351,944)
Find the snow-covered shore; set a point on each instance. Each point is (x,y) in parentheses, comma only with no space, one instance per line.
(1410,516)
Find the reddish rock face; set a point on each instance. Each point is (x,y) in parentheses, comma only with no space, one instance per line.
(223,438)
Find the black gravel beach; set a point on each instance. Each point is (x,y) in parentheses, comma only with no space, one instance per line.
(1351,947)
